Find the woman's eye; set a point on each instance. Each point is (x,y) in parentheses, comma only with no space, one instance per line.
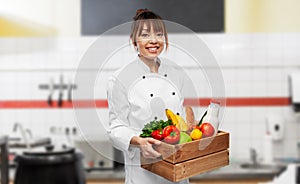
(160,35)
(145,35)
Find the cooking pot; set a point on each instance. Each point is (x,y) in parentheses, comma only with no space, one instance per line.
(49,166)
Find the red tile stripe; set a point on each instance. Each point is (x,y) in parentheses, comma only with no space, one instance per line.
(236,102)
(243,101)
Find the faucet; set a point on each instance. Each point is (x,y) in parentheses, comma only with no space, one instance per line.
(29,132)
(253,156)
(23,133)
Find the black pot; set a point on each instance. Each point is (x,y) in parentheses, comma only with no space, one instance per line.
(50,166)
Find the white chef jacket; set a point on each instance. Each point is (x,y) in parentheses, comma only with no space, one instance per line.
(126,120)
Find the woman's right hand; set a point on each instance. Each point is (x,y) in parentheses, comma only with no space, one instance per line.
(145,145)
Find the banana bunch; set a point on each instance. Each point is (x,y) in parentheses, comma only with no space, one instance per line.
(177,120)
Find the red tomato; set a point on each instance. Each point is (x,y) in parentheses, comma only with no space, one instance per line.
(157,134)
(171,134)
(207,129)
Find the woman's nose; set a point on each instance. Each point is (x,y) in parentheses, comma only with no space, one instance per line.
(153,39)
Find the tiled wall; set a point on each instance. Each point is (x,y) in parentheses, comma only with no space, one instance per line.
(253,65)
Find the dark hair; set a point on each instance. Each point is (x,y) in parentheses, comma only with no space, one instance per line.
(152,20)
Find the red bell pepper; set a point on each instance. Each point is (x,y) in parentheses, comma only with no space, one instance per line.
(157,134)
(171,134)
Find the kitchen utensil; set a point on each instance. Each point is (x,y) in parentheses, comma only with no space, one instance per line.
(61,89)
(49,165)
(51,90)
(70,91)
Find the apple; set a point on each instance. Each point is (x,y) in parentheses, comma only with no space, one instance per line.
(207,129)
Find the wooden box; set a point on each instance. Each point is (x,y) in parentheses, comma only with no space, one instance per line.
(183,161)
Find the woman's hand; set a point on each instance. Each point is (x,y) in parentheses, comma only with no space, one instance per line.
(145,145)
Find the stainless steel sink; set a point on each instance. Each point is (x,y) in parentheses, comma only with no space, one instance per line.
(265,167)
(258,166)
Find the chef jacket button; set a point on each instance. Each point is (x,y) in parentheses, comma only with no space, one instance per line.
(155,118)
(144,77)
(173,93)
(165,75)
(151,95)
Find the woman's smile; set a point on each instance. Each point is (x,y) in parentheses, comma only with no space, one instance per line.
(153,49)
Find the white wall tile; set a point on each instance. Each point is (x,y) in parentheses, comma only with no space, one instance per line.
(253,65)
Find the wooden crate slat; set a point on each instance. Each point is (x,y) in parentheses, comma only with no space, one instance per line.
(180,171)
(202,164)
(162,168)
(182,152)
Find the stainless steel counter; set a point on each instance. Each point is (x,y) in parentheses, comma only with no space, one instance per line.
(234,171)
(231,172)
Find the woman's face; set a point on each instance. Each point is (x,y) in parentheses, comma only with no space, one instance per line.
(149,43)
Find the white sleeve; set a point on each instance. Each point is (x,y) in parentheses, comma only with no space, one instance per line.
(119,130)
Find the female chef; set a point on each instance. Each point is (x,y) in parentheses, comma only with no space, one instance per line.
(129,108)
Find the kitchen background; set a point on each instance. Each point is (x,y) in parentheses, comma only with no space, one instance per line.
(41,44)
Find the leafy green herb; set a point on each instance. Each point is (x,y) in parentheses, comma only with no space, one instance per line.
(154,125)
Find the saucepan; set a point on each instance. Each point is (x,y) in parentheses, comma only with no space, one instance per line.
(50,165)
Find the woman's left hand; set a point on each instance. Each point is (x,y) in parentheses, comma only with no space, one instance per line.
(146,146)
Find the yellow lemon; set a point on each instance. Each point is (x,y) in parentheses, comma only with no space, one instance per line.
(196,134)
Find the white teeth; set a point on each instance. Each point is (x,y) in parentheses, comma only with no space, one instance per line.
(152,49)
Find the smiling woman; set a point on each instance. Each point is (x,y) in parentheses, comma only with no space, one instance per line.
(139,92)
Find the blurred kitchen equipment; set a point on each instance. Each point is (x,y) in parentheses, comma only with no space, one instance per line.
(275,124)
(290,175)
(26,140)
(16,142)
(49,165)
(98,154)
(4,160)
(51,90)
(61,90)
(23,133)
(298,174)
(253,156)
(298,146)
(52,87)
(70,86)
(29,132)
(294,90)
(268,148)
(268,144)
